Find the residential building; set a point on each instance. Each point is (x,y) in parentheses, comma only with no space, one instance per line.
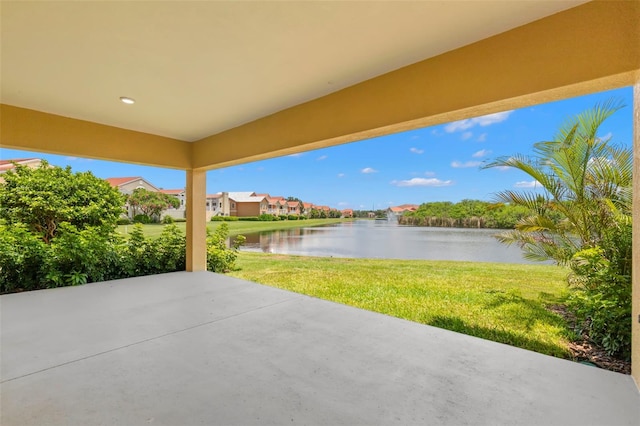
(6,165)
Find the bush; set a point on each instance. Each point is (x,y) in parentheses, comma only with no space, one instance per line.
(292,217)
(221,258)
(123,221)
(22,255)
(167,220)
(80,256)
(265,217)
(249,218)
(179,219)
(601,294)
(170,250)
(142,218)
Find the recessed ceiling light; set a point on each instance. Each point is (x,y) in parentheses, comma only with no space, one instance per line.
(127,101)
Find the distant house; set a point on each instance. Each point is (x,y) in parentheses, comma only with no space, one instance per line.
(293,208)
(347,213)
(178,212)
(127,185)
(6,165)
(397,211)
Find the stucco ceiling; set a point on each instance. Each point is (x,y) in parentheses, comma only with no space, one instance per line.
(198,68)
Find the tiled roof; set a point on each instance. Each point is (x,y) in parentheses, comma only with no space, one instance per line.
(117,181)
(8,164)
(245,197)
(172,191)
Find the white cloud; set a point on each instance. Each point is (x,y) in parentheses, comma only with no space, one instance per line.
(527,184)
(498,117)
(466,135)
(340,175)
(367,170)
(481,153)
(416,150)
(606,137)
(466,164)
(485,120)
(482,137)
(343,203)
(433,182)
(428,173)
(299,154)
(322,157)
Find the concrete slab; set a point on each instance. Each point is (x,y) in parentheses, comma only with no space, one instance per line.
(201,348)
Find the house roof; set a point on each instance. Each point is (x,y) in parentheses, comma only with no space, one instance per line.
(245,197)
(119,181)
(9,164)
(172,191)
(404,208)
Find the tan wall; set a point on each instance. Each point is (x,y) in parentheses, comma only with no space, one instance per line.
(585,49)
(30,130)
(635,303)
(131,186)
(247,209)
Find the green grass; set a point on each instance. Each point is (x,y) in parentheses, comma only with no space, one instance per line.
(237,227)
(500,302)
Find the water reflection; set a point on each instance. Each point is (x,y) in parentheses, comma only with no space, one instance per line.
(382,239)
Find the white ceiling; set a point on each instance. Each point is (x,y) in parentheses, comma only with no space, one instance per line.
(198,68)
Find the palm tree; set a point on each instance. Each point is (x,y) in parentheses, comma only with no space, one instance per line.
(586,182)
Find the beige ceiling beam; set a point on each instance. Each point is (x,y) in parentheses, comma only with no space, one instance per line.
(582,50)
(37,131)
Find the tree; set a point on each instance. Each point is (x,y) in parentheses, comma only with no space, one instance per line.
(581,176)
(44,197)
(151,203)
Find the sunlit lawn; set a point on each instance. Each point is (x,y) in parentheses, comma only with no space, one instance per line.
(499,302)
(236,227)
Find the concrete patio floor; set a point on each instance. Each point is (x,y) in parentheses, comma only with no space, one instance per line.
(201,348)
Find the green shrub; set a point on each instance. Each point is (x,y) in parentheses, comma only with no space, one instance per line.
(221,258)
(265,217)
(142,218)
(170,250)
(601,291)
(22,255)
(139,253)
(217,218)
(167,220)
(80,256)
(292,217)
(249,218)
(179,219)
(124,221)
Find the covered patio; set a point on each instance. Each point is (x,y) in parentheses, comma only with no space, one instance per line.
(225,83)
(203,348)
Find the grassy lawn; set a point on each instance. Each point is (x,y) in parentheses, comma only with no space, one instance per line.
(237,227)
(500,302)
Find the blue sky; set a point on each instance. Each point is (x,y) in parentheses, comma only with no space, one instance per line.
(439,163)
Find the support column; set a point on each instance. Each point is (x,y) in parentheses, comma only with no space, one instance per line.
(635,292)
(196,220)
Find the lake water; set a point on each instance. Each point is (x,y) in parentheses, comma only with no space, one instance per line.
(388,240)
